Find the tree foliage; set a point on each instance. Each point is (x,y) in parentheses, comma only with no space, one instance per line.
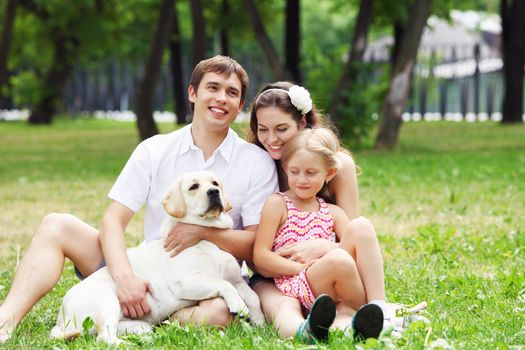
(94,32)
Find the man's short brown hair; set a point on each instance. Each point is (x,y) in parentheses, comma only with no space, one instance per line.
(223,65)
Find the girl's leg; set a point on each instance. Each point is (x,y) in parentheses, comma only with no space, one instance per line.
(344,316)
(360,240)
(336,274)
(282,311)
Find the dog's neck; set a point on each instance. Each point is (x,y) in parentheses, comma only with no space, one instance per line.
(222,221)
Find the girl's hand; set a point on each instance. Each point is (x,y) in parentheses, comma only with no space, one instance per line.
(307,251)
(301,267)
(310,263)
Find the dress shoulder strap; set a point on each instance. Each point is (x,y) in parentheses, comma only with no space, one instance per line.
(289,204)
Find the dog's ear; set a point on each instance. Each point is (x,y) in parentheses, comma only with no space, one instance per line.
(174,202)
(228,206)
(225,202)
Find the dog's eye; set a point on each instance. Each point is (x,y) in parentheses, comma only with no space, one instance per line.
(215,183)
(194,187)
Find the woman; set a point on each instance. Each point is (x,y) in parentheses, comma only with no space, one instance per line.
(280,110)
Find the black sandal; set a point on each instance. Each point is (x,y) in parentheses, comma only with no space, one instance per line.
(367,322)
(319,320)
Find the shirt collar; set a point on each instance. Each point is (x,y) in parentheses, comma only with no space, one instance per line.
(225,149)
(186,140)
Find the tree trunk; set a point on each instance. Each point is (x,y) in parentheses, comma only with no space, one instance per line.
(400,81)
(399,31)
(64,49)
(513,25)
(5,43)
(356,53)
(292,46)
(181,100)
(199,31)
(55,80)
(264,40)
(146,89)
(225,39)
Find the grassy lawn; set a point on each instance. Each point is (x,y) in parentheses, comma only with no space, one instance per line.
(448,206)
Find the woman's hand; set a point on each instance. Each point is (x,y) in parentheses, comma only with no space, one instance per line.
(307,251)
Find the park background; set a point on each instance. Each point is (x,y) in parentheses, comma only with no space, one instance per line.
(428,95)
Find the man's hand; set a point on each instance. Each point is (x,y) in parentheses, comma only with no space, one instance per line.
(182,236)
(307,251)
(131,293)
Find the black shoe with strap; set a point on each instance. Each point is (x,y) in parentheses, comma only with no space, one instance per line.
(319,320)
(368,322)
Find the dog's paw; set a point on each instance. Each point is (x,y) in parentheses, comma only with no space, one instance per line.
(60,333)
(134,327)
(109,339)
(257,318)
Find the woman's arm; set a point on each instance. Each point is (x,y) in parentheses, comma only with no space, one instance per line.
(268,263)
(340,220)
(344,186)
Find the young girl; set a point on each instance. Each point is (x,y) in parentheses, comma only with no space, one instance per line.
(310,162)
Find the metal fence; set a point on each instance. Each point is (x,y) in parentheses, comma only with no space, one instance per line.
(469,87)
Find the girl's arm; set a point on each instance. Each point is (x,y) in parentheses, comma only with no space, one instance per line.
(344,186)
(268,263)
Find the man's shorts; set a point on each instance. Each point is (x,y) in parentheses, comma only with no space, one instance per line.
(100,265)
(255,278)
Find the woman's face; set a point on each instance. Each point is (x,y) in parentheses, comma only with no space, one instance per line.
(275,128)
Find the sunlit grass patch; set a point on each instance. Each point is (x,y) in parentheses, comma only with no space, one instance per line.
(448,206)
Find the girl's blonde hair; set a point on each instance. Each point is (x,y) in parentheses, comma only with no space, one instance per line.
(326,144)
(321,141)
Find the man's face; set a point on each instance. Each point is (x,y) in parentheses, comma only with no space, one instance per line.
(217,100)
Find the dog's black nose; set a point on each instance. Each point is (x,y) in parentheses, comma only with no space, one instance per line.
(213,192)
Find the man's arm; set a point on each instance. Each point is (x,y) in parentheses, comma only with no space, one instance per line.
(131,290)
(239,243)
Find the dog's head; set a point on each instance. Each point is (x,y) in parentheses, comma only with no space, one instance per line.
(199,194)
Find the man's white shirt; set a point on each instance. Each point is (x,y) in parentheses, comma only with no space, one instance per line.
(247,172)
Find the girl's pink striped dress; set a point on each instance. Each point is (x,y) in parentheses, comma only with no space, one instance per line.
(300,226)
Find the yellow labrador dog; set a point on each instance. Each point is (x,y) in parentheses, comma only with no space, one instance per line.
(197,273)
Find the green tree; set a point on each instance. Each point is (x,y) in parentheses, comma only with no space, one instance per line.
(176,63)
(200,40)
(350,120)
(401,78)
(512,19)
(265,41)
(146,89)
(5,39)
(292,41)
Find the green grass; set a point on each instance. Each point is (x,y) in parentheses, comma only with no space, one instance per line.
(448,206)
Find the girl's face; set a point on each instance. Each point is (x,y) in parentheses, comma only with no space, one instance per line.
(307,173)
(275,128)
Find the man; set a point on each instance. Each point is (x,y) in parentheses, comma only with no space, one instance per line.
(217,93)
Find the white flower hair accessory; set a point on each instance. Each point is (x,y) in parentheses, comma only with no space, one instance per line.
(300,98)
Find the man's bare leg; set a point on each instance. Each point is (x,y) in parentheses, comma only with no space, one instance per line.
(58,236)
(209,312)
